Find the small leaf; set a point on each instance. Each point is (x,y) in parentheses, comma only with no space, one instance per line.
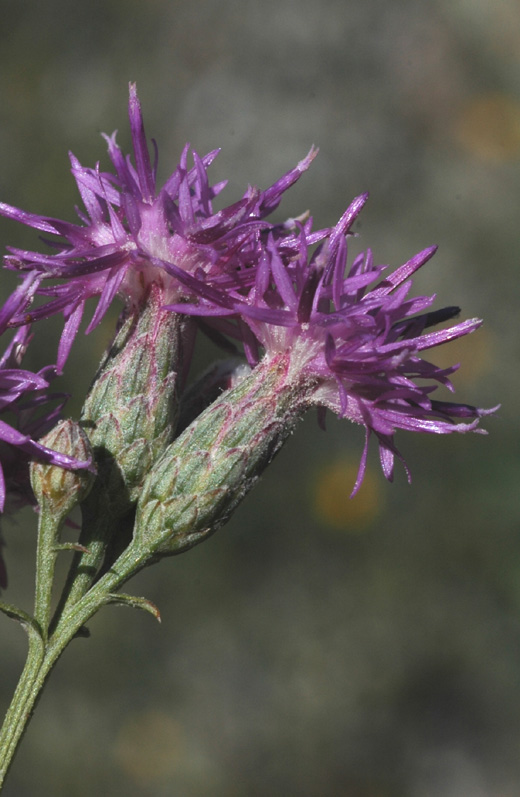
(29,623)
(135,603)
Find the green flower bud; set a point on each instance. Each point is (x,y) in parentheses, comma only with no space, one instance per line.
(56,488)
(130,413)
(205,473)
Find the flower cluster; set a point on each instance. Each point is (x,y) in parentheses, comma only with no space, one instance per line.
(354,335)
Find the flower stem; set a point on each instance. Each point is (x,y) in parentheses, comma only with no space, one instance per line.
(45,563)
(44,653)
(22,705)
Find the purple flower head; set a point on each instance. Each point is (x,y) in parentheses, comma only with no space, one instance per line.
(132,232)
(24,397)
(354,335)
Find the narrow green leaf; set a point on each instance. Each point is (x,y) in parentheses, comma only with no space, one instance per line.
(28,623)
(135,603)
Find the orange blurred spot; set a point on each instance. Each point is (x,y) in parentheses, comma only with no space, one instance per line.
(474,352)
(489,127)
(331,497)
(148,746)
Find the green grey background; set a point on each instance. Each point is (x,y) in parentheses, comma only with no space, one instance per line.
(294,657)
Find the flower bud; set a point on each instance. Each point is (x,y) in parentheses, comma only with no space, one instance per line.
(59,489)
(131,410)
(205,473)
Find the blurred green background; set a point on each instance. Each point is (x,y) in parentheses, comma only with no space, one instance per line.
(315,646)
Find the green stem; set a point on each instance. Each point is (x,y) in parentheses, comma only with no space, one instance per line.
(97,524)
(43,654)
(48,535)
(39,663)
(22,705)
(74,616)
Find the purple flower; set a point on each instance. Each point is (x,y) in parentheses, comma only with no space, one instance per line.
(132,233)
(355,337)
(24,397)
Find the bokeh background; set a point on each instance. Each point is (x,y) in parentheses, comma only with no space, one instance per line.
(316,645)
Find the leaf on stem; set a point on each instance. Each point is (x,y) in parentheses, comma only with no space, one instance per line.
(135,603)
(28,623)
